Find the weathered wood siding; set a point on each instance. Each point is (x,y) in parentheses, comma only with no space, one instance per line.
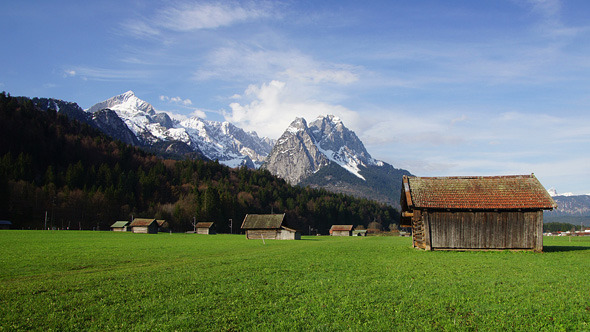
(145,229)
(340,233)
(484,230)
(285,234)
(119,229)
(137,229)
(203,230)
(260,233)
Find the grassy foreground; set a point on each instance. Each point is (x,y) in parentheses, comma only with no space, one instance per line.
(72,280)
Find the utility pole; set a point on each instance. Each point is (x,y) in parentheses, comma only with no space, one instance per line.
(231,226)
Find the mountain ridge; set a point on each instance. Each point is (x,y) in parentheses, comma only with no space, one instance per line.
(215,140)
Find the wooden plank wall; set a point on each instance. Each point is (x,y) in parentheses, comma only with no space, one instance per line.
(202,230)
(484,230)
(340,233)
(259,233)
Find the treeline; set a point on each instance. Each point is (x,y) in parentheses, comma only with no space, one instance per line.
(560,227)
(55,172)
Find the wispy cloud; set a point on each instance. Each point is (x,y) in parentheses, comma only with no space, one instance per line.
(190,16)
(196,16)
(107,74)
(139,29)
(550,18)
(244,62)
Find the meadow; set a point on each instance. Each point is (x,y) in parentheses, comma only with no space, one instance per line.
(84,280)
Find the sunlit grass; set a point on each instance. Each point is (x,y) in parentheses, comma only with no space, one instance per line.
(105,281)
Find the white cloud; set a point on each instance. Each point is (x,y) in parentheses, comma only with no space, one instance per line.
(272,106)
(69,73)
(181,117)
(176,100)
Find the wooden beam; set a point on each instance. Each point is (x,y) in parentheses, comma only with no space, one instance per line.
(406,185)
(407,214)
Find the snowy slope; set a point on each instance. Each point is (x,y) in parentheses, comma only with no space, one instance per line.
(221,141)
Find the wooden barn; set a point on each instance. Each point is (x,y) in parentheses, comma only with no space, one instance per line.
(268,226)
(205,228)
(341,230)
(120,226)
(475,213)
(141,225)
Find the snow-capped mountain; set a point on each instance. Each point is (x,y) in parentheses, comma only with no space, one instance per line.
(326,154)
(341,145)
(221,141)
(553,192)
(229,144)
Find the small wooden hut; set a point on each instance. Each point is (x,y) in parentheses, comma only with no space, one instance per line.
(341,230)
(475,213)
(120,226)
(142,225)
(162,225)
(205,228)
(5,224)
(359,232)
(268,226)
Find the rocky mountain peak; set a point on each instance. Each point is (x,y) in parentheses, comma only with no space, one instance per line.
(328,155)
(298,125)
(341,144)
(296,155)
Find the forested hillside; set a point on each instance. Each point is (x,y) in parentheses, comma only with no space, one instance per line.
(81,179)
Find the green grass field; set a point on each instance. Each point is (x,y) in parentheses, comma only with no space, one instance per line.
(72,280)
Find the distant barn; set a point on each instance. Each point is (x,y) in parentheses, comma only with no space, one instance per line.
(268,226)
(141,225)
(475,213)
(205,228)
(120,226)
(359,232)
(5,224)
(341,230)
(162,225)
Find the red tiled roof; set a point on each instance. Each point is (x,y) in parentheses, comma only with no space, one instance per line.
(479,192)
(341,228)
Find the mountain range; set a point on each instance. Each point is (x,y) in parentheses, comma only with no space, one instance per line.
(571,209)
(324,154)
(321,154)
(131,120)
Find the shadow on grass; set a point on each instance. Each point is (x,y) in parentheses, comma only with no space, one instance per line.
(564,248)
(310,239)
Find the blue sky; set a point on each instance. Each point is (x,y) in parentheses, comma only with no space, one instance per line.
(436,87)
